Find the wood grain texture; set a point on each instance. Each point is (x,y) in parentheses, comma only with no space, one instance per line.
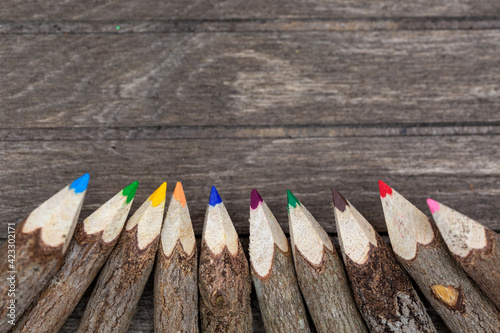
(236,9)
(176,291)
(243,79)
(451,169)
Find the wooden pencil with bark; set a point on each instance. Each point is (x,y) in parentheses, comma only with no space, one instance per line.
(320,274)
(176,271)
(273,273)
(122,279)
(92,243)
(34,253)
(475,247)
(421,251)
(382,289)
(223,275)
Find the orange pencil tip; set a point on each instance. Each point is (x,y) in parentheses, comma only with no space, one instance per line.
(179,194)
(158,196)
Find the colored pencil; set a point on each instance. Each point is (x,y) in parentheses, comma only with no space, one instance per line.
(273,274)
(320,274)
(474,247)
(176,271)
(32,255)
(382,289)
(92,243)
(124,275)
(224,278)
(421,251)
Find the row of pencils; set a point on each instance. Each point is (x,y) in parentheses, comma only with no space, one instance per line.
(50,260)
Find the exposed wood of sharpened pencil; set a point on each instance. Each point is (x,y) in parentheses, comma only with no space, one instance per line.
(421,250)
(28,261)
(123,277)
(320,273)
(93,241)
(176,271)
(224,278)
(273,274)
(475,247)
(382,289)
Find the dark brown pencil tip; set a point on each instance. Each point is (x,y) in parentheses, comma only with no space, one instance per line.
(338,200)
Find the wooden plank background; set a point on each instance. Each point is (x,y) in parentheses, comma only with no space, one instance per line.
(276,95)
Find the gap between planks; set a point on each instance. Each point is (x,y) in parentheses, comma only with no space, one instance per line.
(248,25)
(245,132)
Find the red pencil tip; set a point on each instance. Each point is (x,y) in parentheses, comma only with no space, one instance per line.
(384,189)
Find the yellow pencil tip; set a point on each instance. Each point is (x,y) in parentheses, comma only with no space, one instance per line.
(158,196)
(179,194)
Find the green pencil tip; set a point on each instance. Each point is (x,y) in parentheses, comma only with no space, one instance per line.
(129,191)
(292,200)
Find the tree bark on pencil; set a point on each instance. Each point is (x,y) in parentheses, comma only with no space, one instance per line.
(382,289)
(122,279)
(320,274)
(41,240)
(176,271)
(421,251)
(94,239)
(273,273)
(224,277)
(475,247)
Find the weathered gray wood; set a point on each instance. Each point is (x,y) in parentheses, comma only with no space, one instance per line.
(242,79)
(236,9)
(245,132)
(261,25)
(450,169)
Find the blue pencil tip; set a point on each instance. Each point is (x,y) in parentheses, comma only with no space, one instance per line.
(214,197)
(80,184)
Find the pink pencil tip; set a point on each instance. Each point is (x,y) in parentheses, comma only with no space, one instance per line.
(433,205)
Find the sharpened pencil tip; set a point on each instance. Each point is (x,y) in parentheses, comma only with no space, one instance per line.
(130,190)
(384,189)
(255,199)
(338,200)
(214,197)
(179,194)
(79,185)
(433,205)
(158,196)
(292,200)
